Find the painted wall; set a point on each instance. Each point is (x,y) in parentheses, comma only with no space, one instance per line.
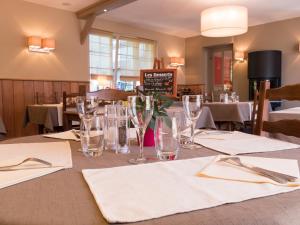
(70,61)
(282,35)
(20,19)
(168,46)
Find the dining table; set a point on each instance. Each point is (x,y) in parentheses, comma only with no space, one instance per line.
(231,111)
(292,113)
(46,116)
(64,197)
(3,131)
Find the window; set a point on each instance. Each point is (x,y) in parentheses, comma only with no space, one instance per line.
(117,61)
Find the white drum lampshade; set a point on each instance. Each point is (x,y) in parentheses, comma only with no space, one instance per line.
(224,21)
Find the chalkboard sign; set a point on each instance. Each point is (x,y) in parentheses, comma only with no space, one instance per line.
(160,80)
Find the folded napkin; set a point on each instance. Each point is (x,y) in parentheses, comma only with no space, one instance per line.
(57,153)
(141,192)
(234,143)
(67,135)
(222,170)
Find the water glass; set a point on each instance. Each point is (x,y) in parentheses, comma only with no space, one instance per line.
(123,129)
(167,138)
(111,127)
(192,105)
(92,135)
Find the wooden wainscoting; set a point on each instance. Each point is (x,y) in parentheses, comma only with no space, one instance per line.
(15,95)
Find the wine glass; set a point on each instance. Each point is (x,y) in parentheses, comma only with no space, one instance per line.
(140,110)
(192,105)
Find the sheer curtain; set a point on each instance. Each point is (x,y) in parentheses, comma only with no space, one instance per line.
(119,60)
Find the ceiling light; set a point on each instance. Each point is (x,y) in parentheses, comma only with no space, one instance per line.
(105,10)
(224,21)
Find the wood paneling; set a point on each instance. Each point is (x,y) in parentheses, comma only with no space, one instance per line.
(38,91)
(30,129)
(1,100)
(8,107)
(57,89)
(15,95)
(48,92)
(66,87)
(19,108)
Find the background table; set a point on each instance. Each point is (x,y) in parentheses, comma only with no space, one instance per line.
(46,116)
(290,114)
(2,129)
(64,197)
(230,112)
(205,120)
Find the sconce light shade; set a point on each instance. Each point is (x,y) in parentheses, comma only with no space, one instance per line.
(239,56)
(224,21)
(48,43)
(34,42)
(176,61)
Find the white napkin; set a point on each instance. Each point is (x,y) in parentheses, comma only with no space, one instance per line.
(234,143)
(67,135)
(142,192)
(222,170)
(57,153)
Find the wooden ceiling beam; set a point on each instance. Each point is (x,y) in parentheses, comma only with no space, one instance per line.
(87,28)
(99,8)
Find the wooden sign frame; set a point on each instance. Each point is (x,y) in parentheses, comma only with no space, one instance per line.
(174,71)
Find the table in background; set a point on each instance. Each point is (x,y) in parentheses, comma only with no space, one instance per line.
(46,116)
(64,197)
(3,131)
(205,120)
(290,114)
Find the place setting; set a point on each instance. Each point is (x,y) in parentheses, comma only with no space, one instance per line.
(149,112)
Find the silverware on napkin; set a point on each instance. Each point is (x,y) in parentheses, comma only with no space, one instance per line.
(75,132)
(14,166)
(275,176)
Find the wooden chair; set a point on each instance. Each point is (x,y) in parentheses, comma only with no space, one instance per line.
(111,95)
(286,127)
(254,110)
(70,113)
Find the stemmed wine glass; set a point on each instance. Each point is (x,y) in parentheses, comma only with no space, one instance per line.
(192,105)
(140,110)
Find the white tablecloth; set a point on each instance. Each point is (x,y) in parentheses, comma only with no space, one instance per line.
(142,192)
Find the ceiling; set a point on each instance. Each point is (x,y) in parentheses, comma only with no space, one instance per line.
(182,17)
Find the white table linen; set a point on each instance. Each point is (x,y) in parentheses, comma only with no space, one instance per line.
(143,192)
(57,153)
(66,135)
(234,143)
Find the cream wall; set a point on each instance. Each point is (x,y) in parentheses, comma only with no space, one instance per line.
(69,61)
(168,46)
(282,35)
(20,19)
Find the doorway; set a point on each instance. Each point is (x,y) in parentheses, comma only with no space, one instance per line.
(219,68)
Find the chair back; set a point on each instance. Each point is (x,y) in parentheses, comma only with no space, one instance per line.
(111,95)
(69,99)
(286,126)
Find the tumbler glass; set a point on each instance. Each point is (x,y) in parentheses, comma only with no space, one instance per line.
(92,135)
(123,129)
(167,137)
(111,128)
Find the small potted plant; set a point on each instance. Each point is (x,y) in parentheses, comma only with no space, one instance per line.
(161,103)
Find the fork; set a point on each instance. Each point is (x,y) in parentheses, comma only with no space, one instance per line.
(278,177)
(27,160)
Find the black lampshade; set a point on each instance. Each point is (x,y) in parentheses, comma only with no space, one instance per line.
(264,64)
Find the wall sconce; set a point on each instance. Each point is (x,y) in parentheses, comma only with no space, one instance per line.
(37,44)
(176,61)
(239,56)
